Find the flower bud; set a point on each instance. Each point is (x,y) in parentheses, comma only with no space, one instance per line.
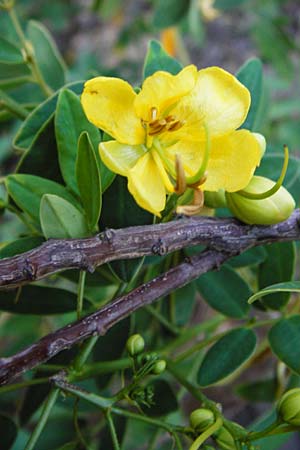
(159,367)
(135,344)
(215,199)
(201,419)
(225,440)
(267,211)
(289,407)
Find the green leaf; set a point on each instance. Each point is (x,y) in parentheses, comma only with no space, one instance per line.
(39,118)
(158,59)
(70,122)
(284,339)
(250,257)
(278,267)
(41,159)
(119,210)
(228,4)
(169,12)
(60,219)
(88,179)
(251,76)
(20,246)
(47,55)
(40,300)
(8,431)
(9,53)
(111,347)
(291,286)
(226,356)
(27,192)
(258,391)
(184,302)
(271,166)
(225,291)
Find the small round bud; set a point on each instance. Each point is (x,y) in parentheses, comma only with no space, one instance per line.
(225,440)
(215,199)
(135,344)
(201,419)
(159,367)
(267,211)
(289,407)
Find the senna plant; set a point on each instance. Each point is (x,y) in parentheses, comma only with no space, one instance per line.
(148,248)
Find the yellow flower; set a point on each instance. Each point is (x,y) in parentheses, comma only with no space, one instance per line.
(174,115)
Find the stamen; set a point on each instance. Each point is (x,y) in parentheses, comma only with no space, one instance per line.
(180,187)
(153,113)
(277,185)
(156,130)
(173,126)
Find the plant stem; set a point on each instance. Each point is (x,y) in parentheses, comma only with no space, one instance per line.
(81,284)
(84,353)
(49,403)
(30,57)
(15,386)
(168,325)
(12,106)
(112,430)
(254,435)
(195,391)
(90,370)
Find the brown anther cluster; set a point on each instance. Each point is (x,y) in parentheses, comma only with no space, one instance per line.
(157,126)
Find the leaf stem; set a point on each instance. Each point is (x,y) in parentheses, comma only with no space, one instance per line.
(81,284)
(112,430)
(48,405)
(29,52)
(23,384)
(168,325)
(12,106)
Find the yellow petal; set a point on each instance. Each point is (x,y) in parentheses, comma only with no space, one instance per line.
(191,154)
(108,104)
(160,167)
(232,162)
(162,90)
(120,158)
(218,99)
(146,185)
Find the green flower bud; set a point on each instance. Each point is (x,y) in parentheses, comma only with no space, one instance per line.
(225,440)
(289,407)
(135,344)
(159,367)
(215,199)
(201,419)
(267,211)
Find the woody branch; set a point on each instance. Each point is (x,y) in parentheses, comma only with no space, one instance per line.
(225,238)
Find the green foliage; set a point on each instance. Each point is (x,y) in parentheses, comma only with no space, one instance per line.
(158,59)
(226,355)
(60,219)
(225,291)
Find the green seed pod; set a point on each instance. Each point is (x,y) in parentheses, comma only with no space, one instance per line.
(215,199)
(135,344)
(225,440)
(289,407)
(201,419)
(267,211)
(159,367)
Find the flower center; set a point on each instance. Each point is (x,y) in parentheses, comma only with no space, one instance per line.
(159,125)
